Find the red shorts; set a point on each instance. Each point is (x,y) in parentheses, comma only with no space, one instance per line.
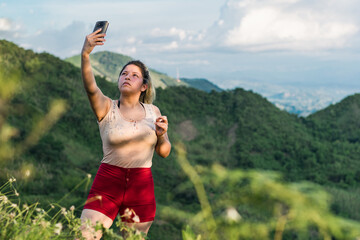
(115,189)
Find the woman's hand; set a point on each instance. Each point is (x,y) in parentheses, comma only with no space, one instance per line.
(163,145)
(92,40)
(161,125)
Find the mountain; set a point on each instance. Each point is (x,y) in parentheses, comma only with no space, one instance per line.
(108,65)
(339,122)
(201,84)
(235,128)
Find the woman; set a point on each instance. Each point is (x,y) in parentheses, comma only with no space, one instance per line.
(131,128)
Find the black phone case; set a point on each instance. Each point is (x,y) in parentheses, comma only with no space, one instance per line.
(101,24)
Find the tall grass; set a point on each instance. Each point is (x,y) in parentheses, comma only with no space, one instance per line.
(22,221)
(30,222)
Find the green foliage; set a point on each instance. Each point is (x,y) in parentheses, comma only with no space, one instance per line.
(338,122)
(188,234)
(31,222)
(201,84)
(297,209)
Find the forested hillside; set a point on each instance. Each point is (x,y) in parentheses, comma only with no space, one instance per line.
(201,84)
(340,121)
(237,129)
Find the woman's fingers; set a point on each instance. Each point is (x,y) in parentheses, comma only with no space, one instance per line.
(97,31)
(96,35)
(96,40)
(99,40)
(162,119)
(92,40)
(161,125)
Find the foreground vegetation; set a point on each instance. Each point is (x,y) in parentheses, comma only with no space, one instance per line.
(254,205)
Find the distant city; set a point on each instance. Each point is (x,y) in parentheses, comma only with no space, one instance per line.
(301,101)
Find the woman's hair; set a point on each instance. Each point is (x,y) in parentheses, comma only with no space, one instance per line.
(147,96)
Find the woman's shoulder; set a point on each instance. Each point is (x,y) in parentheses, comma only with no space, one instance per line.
(153,108)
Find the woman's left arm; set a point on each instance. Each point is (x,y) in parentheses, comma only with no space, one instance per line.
(163,145)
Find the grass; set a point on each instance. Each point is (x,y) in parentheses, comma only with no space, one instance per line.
(22,221)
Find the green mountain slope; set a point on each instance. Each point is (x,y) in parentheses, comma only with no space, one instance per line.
(340,121)
(108,65)
(201,84)
(237,128)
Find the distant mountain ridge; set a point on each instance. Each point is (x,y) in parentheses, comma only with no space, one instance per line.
(202,84)
(108,65)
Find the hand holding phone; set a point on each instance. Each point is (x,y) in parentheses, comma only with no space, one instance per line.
(93,39)
(101,24)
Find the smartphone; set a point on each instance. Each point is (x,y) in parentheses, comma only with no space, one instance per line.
(101,24)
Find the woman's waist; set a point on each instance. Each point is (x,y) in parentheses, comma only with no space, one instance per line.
(124,163)
(116,172)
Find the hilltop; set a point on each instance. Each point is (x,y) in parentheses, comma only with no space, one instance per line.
(339,122)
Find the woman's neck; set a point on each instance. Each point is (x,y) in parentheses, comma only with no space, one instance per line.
(129,101)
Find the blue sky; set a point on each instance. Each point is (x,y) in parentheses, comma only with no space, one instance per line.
(255,44)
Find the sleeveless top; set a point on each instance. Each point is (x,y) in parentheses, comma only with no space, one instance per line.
(127,143)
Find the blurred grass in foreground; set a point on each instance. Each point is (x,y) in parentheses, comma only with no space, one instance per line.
(31,222)
(258,205)
(9,84)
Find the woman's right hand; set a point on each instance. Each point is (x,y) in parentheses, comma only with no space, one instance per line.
(92,40)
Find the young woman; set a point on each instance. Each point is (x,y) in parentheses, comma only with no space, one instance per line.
(131,128)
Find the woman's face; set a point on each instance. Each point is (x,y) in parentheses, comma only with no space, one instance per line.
(131,80)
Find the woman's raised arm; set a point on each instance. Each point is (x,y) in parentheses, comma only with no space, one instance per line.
(98,101)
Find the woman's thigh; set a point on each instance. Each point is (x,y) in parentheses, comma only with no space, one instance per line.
(94,217)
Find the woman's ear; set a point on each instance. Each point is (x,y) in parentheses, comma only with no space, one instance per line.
(144,87)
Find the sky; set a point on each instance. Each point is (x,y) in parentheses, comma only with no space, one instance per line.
(264,45)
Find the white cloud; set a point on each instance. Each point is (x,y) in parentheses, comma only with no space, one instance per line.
(5,24)
(131,40)
(173,45)
(130,51)
(258,25)
(8,29)
(62,43)
(184,62)
(172,32)
(272,28)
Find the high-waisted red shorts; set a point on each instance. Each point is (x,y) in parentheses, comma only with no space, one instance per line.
(115,189)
